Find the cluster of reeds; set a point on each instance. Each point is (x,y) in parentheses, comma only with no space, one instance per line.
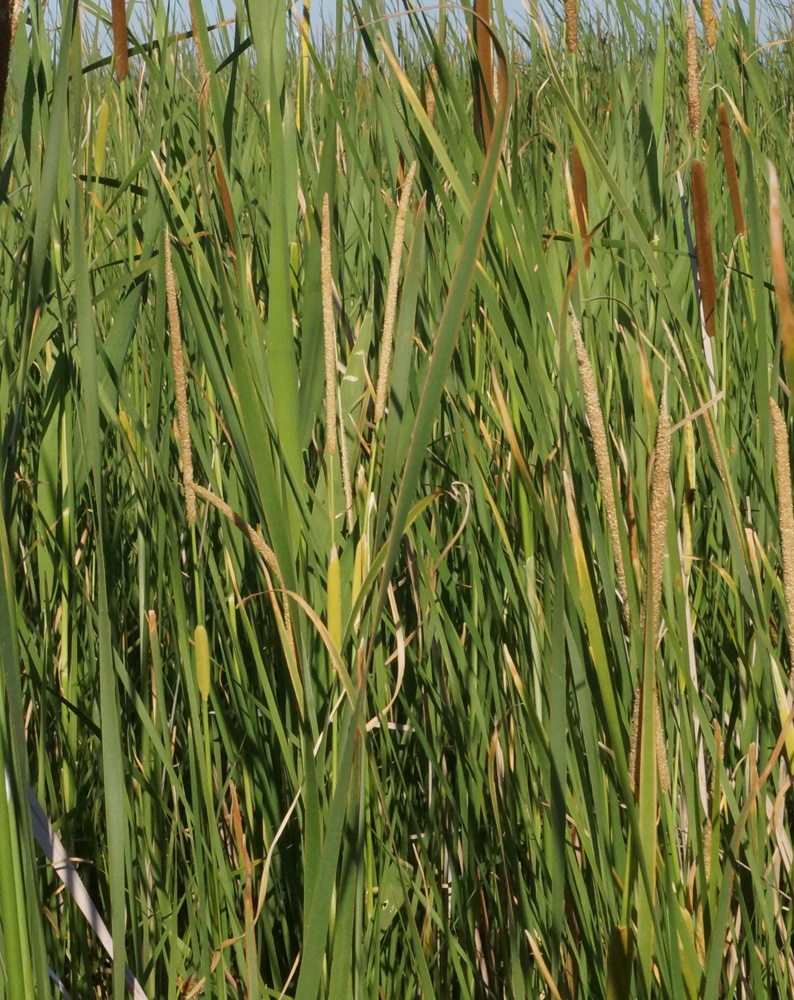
(368,626)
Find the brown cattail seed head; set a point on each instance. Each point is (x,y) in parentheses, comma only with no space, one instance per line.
(661,753)
(692,75)
(579,179)
(571,25)
(595,417)
(709,22)
(430,94)
(661,748)
(484,94)
(635,738)
(657,515)
(705,253)
(9,18)
(180,384)
(119,14)
(15,9)
(197,39)
(730,169)
(707,848)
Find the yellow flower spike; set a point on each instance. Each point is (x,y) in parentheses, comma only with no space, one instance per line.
(202,653)
(334,599)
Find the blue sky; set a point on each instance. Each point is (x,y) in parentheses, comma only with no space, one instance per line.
(513,8)
(766,10)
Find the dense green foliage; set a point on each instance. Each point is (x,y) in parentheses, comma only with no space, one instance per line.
(418,780)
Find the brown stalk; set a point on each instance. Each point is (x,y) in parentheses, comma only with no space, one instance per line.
(119,14)
(571,26)
(180,383)
(730,169)
(579,178)
(692,75)
(705,254)
(483,95)
(779,275)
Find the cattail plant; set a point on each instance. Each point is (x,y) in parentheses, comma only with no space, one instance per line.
(780,277)
(194,24)
(571,25)
(390,315)
(692,75)
(579,179)
(705,254)
(657,516)
(690,486)
(661,749)
(180,383)
(785,510)
(119,14)
(9,19)
(201,648)
(709,22)
(328,330)
(430,94)
(483,91)
(657,519)
(730,169)
(305,36)
(595,418)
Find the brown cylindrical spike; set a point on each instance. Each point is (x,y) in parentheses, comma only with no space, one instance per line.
(119,13)
(705,253)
